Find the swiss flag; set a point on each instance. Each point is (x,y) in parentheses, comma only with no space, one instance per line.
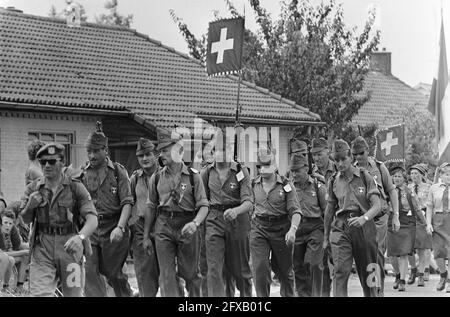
(224,50)
(390,144)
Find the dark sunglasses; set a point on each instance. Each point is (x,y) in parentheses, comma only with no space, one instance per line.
(360,153)
(50,162)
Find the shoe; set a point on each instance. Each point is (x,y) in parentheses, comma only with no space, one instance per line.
(396,282)
(426,275)
(441,284)
(401,286)
(412,276)
(420,280)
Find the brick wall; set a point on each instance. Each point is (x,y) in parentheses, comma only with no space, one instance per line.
(14,129)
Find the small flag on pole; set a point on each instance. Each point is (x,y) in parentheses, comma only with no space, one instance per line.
(390,144)
(439,103)
(224,51)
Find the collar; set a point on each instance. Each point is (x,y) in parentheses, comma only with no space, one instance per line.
(109,163)
(233,166)
(278,179)
(331,166)
(42,181)
(355,172)
(184,169)
(309,181)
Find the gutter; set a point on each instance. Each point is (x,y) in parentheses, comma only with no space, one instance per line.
(269,122)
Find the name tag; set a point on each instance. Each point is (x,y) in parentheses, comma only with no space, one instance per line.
(240,176)
(287,188)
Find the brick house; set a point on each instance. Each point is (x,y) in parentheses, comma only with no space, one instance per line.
(57,81)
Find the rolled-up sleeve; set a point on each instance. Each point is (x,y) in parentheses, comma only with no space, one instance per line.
(125,196)
(293,203)
(371,187)
(200,195)
(84,201)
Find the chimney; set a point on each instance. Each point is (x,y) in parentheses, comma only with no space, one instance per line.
(14,9)
(381,62)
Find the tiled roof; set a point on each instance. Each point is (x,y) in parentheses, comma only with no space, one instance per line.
(45,62)
(388,95)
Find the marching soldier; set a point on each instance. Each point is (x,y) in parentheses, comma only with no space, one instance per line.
(144,253)
(228,189)
(354,199)
(109,186)
(308,252)
(176,192)
(275,221)
(382,178)
(64,217)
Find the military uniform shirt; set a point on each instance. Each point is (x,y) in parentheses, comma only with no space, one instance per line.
(61,205)
(139,183)
(381,176)
(338,191)
(277,202)
(312,202)
(184,192)
(423,191)
(329,171)
(109,195)
(435,197)
(232,192)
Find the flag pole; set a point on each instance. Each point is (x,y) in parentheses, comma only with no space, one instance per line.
(238,106)
(404,143)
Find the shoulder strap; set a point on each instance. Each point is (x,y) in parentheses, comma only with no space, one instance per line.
(208,193)
(410,202)
(116,173)
(363,177)
(157,173)
(191,180)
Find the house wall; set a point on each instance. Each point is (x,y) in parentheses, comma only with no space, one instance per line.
(14,129)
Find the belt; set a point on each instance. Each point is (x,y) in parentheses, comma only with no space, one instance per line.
(349,214)
(61,231)
(271,218)
(222,207)
(173,214)
(108,216)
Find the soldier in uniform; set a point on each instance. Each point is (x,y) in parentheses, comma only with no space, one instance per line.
(144,252)
(354,199)
(275,221)
(228,189)
(109,186)
(58,207)
(176,192)
(308,252)
(380,173)
(438,222)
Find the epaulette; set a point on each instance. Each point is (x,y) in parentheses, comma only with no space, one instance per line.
(194,170)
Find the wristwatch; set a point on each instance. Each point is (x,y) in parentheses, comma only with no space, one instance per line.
(121,229)
(366,218)
(82,236)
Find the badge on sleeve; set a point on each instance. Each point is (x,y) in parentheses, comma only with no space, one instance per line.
(409,213)
(287,188)
(240,176)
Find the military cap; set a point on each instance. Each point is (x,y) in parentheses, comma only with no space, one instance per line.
(298,162)
(298,146)
(265,157)
(340,146)
(50,149)
(144,144)
(420,168)
(318,145)
(359,145)
(97,140)
(166,138)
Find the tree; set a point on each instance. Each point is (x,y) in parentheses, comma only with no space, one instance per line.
(113,17)
(309,56)
(54,13)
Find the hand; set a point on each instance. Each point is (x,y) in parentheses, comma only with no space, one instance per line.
(230,214)
(147,244)
(430,229)
(189,229)
(290,236)
(357,221)
(395,223)
(34,200)
(116,235)
(74,246)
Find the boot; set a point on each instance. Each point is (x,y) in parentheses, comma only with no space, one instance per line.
(426,275)
(401,286)
(420,280)
(412,276)
(442,281)
(396,282)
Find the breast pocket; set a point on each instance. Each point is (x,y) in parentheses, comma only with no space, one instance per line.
(65,211)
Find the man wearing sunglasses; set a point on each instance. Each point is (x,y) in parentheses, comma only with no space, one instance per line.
(178,205)
(52,202)
(382,178)
(354,199)
(109,186)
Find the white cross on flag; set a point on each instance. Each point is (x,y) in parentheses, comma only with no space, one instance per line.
(390,144)
(224,51)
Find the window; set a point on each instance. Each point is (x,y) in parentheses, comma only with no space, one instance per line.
(65,139)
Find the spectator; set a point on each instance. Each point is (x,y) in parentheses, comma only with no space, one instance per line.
(34,169)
